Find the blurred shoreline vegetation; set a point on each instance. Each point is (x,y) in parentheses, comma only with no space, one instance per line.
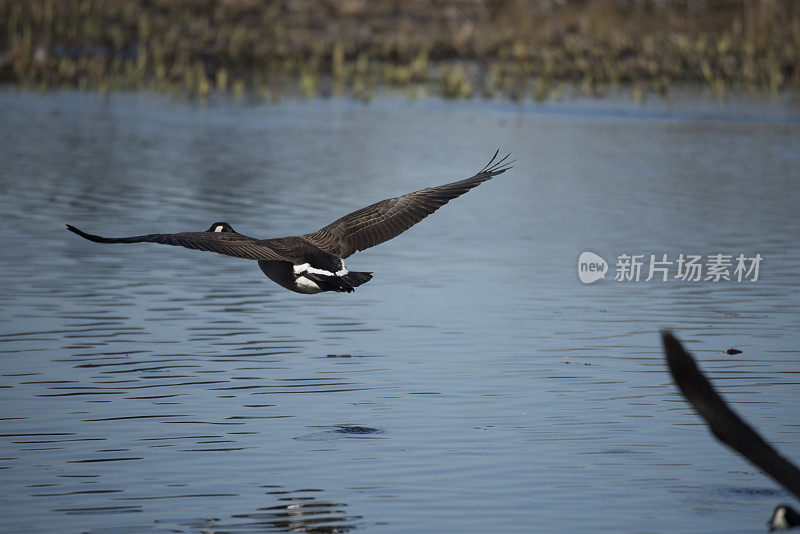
(519,49)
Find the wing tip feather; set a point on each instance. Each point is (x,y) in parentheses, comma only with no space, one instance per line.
(493,168)
(90,237)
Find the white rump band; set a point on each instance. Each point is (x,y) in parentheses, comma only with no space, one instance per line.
(300,268)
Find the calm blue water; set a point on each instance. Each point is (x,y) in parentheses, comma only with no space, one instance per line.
(474,385)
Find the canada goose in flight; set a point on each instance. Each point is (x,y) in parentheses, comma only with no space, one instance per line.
(731,429)
(312,263)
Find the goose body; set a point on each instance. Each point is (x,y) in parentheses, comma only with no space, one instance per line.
(314,262)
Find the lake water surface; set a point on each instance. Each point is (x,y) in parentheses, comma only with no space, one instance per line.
(474,385)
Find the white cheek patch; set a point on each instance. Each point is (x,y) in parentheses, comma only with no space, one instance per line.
(301,268)
(219,228)
(779,521)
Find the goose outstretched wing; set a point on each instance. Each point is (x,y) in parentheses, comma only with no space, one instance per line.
(379,222)
(228,243)
(724,423)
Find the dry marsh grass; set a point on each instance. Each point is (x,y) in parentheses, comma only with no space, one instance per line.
(457,48)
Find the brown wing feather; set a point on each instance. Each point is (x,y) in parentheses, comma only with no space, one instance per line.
(725,424)
(228,243)
(389,218)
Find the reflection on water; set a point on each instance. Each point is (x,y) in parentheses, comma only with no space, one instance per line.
(473,385)
(297,511)
(342,431)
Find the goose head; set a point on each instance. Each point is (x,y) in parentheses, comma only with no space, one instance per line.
(221,227)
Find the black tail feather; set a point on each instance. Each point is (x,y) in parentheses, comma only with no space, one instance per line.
(341,284)
(355,279)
